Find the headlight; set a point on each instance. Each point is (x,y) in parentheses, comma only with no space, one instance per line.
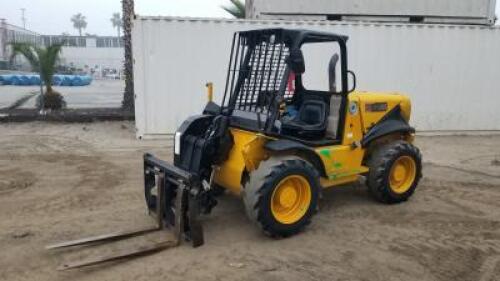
(177,143)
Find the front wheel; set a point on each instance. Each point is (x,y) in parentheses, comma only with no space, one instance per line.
(395,170)
(281,196)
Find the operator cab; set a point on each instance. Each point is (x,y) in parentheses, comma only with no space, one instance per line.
(309,113)
(273,87)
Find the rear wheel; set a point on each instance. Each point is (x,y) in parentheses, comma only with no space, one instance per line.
(281,196)
(395,170)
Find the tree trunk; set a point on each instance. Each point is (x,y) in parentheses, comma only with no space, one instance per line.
(128,14)
(80,31)
(48,88)
(118,33)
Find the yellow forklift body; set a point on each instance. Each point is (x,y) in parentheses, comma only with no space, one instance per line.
(343,162)
(246,154)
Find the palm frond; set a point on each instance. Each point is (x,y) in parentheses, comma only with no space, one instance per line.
(116,20)
(79,21)
(239,4)
(236,9)
(42,60)
(49,57)
(26,50)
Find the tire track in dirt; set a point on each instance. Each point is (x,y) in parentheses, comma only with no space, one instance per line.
(444,263)
(89,180)
(448,231)
(13,180)
(490,269)
(463,170)
(451,242)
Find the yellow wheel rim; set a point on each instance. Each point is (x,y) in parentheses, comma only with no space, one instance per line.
(291,199)
(402,174)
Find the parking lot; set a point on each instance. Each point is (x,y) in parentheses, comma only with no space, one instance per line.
(99,94)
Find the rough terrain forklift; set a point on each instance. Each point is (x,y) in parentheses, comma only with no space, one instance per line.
(278,144)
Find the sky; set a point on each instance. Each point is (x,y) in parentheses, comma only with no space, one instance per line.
(53,16)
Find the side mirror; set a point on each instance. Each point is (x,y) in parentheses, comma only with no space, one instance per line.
(296,61)
(353,75)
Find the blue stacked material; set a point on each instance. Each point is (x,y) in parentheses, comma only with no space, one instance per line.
(34,80)
(77,81)
(67,80)
(81,80)
(7,79)
(15,80)
(57,80)
(24,80)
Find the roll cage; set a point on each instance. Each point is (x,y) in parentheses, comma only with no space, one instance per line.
(260,65)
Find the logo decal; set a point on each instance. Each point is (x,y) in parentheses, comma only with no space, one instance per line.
(353,108)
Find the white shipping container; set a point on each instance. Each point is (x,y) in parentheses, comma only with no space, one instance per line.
(450,72)
(450,11)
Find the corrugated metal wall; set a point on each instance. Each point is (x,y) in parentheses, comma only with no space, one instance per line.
(452,73)
(456,11)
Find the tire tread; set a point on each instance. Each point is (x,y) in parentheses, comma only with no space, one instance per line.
(380,165)
(261,180)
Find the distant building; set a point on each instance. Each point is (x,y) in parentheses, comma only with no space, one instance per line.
(97,55)
(83,41)
(11,33)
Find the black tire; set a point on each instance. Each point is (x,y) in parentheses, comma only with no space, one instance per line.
(258,191)
(380,165)
(218,190)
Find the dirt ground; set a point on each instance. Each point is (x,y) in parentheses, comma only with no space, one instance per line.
(65,181)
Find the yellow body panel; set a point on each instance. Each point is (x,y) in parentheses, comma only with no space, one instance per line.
(370,118)
(343,162)
(246,153)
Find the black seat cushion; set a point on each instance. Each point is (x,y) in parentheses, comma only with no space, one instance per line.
(310,122)
(312,113)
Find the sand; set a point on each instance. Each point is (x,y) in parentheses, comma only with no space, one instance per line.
(65,181)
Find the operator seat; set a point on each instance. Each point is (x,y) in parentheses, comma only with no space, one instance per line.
(310,122)
(313,120)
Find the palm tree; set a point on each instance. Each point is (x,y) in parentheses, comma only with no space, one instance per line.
(128,94)
(236,9)
(79,22)
(43,61)
(116,20)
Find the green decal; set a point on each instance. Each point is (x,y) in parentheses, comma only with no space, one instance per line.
(337,165)
(326,153)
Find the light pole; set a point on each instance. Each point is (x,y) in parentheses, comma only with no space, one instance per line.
(23,18)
